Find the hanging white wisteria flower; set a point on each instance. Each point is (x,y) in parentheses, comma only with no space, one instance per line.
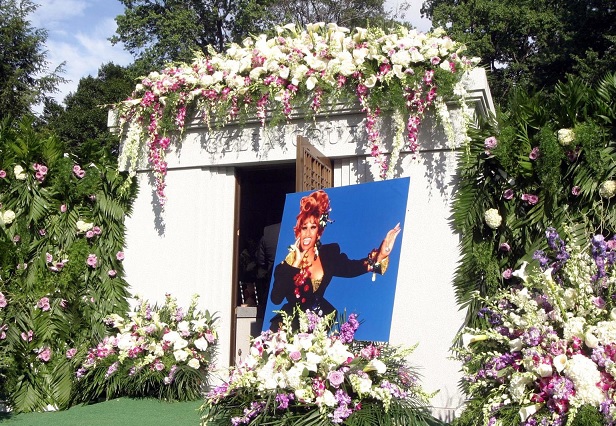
(297,70)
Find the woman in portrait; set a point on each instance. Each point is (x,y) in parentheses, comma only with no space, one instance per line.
(303,277)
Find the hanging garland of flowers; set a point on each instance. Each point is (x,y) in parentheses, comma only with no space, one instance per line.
(404,71)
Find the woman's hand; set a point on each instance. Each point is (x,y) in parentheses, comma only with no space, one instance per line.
(388,243)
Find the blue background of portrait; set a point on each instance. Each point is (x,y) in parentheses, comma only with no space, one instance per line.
(362,215)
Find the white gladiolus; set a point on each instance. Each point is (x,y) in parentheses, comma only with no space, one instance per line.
(194,363)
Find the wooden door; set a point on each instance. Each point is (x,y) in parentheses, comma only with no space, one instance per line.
(313,169)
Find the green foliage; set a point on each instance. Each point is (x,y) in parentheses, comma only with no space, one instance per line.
(532,44)
(54,300)
(158,33)
(82,124)
(587,415)
(531,160)
(24,80)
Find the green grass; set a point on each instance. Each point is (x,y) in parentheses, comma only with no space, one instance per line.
(117,412)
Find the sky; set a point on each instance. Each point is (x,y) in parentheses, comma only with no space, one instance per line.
(78,33)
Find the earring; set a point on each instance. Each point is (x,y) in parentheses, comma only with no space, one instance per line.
(316,249)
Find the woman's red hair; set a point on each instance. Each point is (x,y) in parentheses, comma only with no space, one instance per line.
(313,205)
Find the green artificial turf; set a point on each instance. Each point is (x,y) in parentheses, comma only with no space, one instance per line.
(117,412)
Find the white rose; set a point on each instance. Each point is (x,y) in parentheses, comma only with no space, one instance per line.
(184,327)
(401,57)
(565,136)
(20,174)
(201,344)
(376,365)
(84,226)
(8,217)
(591,340)
(515,345)
(493,218)
(194,363)
(607,189)
(544,370)
(180,355)
(172,336)
(180,344)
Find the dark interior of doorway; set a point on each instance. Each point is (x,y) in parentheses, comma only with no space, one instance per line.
(262,196)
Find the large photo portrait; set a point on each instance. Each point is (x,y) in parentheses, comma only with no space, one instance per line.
(339,251)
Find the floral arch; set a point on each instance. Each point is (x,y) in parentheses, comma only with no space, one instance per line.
(402,71)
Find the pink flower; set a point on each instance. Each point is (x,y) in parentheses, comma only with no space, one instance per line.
(112,273)
(44,354)
(42,232)
(16,238)
(90,234)
(530,199)
(508,194)
(63,208)
(120,255)
(48,257)
(3,301)
(336,378)
(43,304)
(490,142)
(2,174)
(96,230)
(507,273)
(92,260)
(504,247)
(576,190)
(534,154)
(27,336)
(71,353)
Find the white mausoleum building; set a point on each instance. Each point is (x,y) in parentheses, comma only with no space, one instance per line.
(224,186)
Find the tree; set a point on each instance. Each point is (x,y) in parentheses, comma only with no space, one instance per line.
(532,44)
(82,125)
(347,13)
(24,80)
(162,31)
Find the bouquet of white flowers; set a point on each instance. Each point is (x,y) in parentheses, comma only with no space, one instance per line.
(162,352)
(314,376)
(548,352)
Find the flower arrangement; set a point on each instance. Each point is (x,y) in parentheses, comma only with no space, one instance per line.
(548,352)
(404,71)
(157,351)
(51,299)
(311,375)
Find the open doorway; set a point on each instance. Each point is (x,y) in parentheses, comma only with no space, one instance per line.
(261,197)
